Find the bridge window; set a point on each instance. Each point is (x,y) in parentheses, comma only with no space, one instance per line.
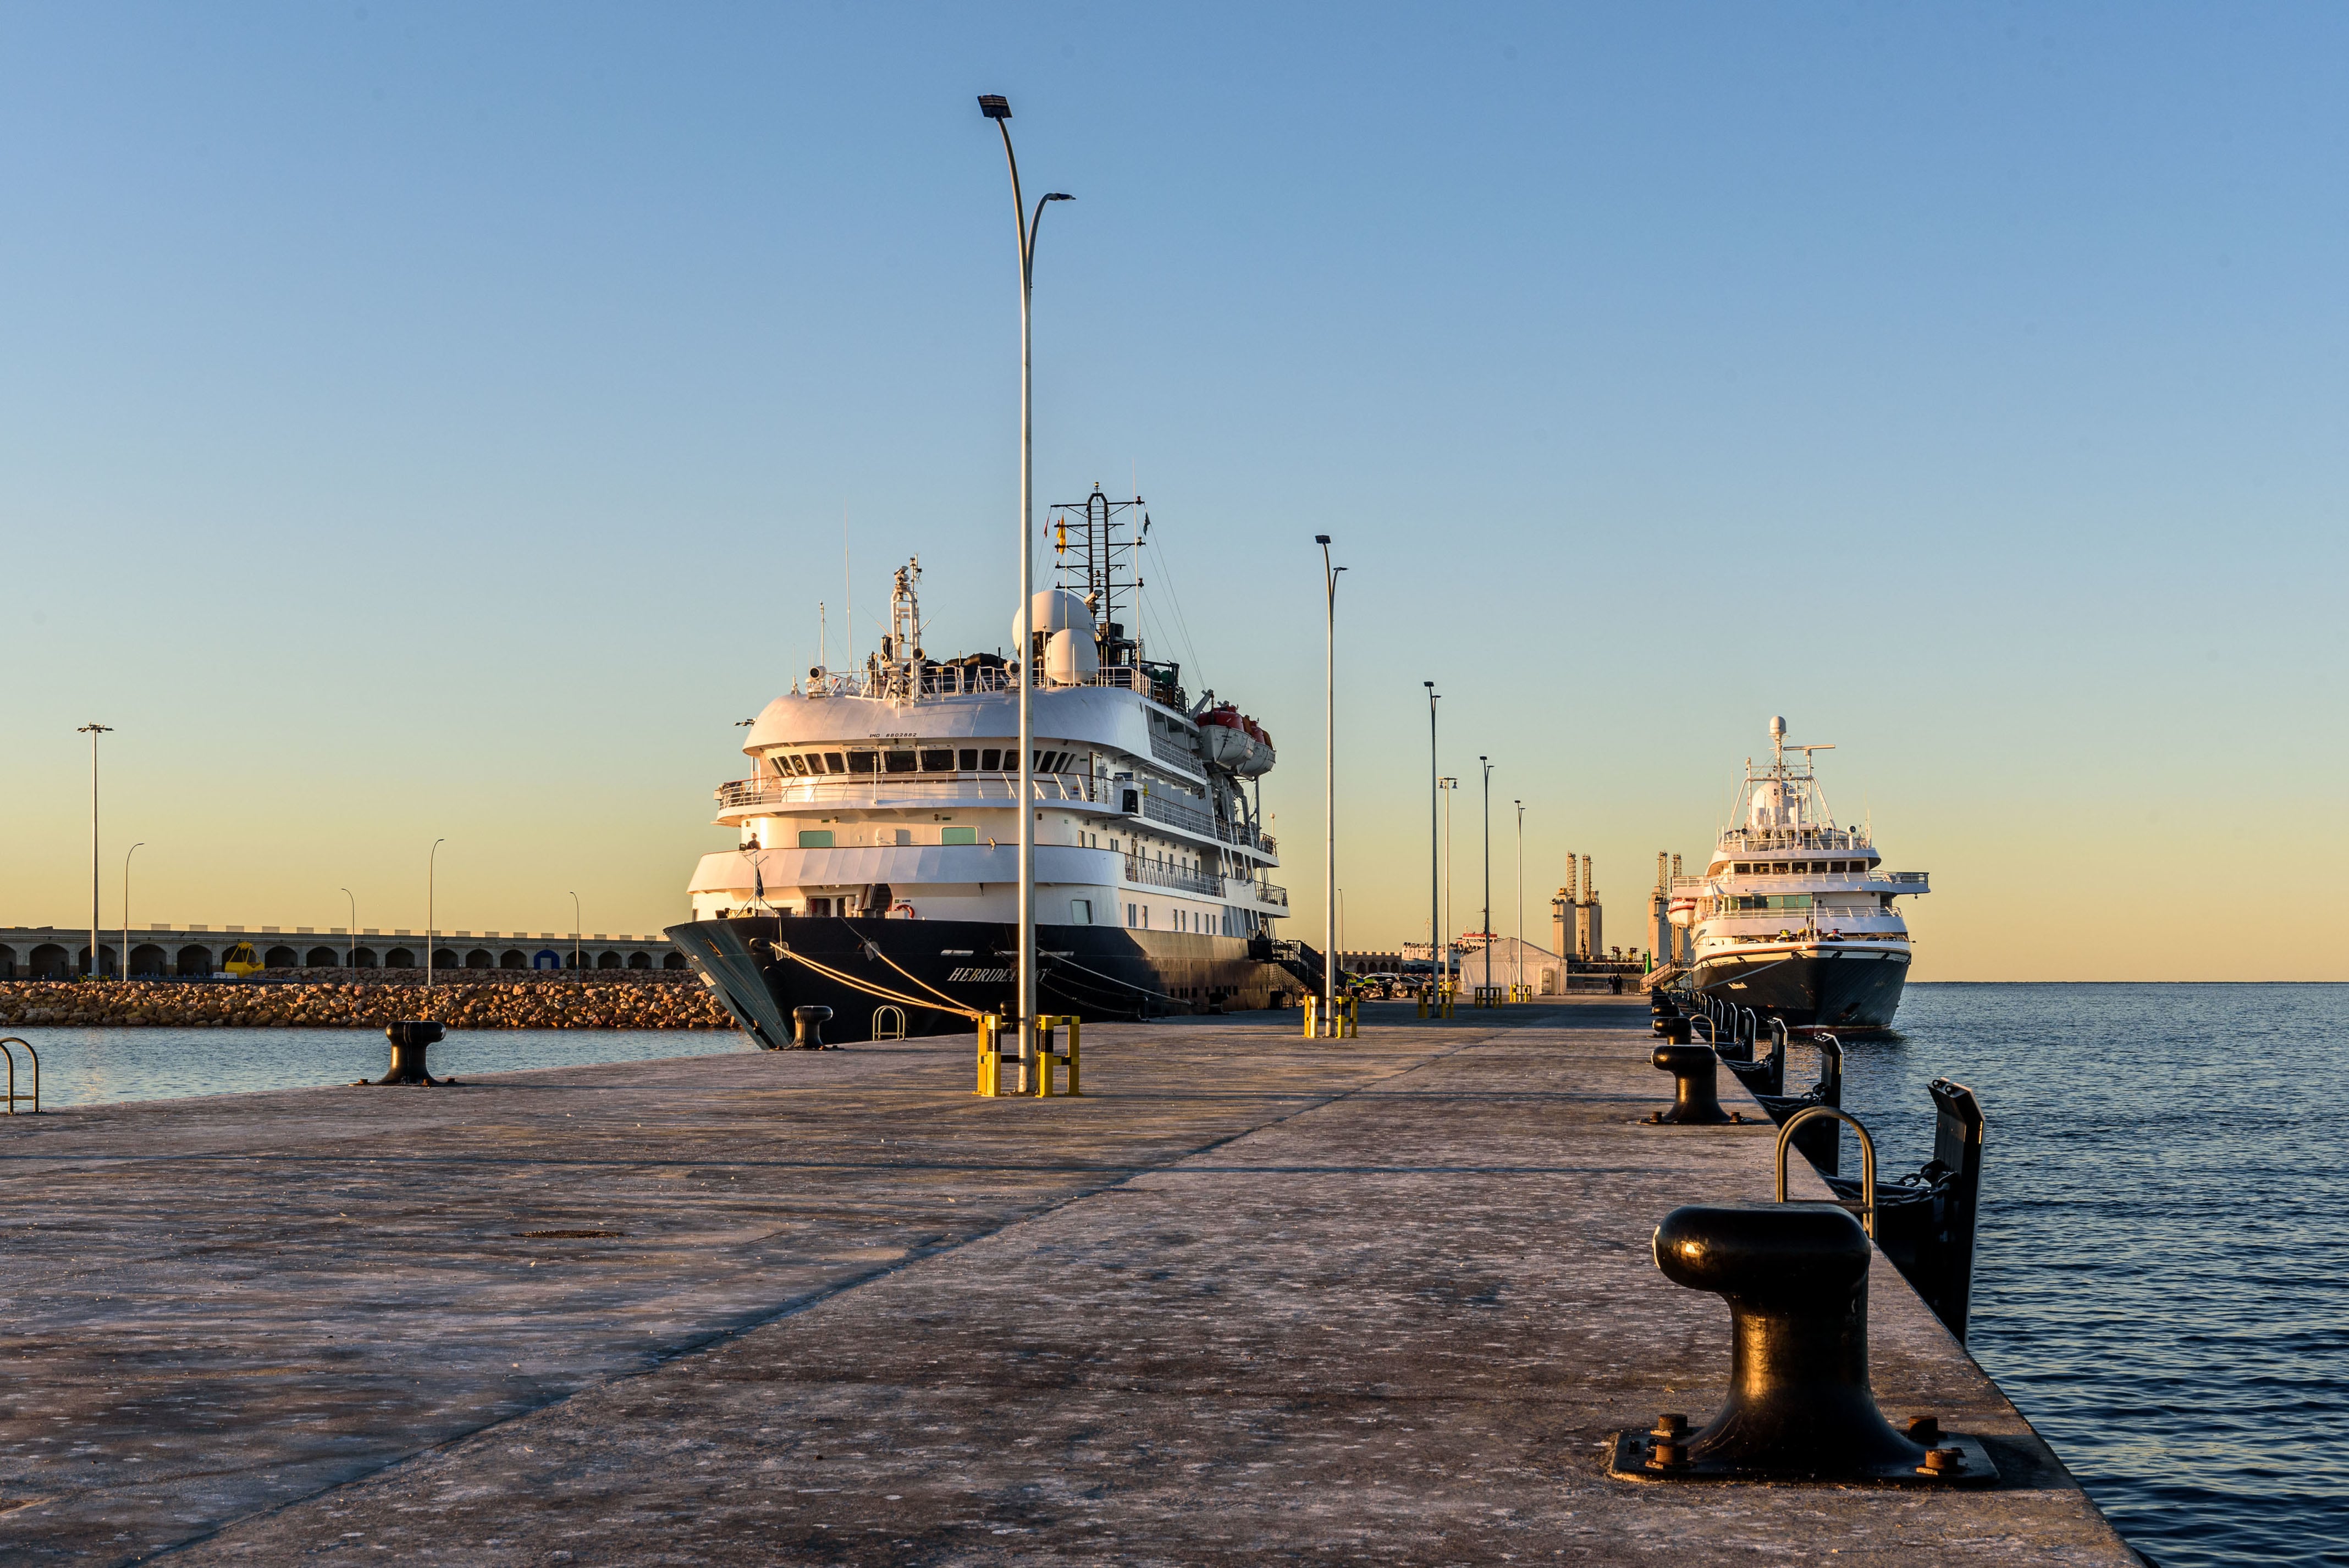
(898,761)
(864,762)
(833,761)
(969,759)
(937,761)
(991,761)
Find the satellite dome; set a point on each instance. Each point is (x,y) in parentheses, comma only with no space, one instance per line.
(1777,727)
(1056,610)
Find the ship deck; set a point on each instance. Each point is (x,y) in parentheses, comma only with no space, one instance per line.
(1254,1296)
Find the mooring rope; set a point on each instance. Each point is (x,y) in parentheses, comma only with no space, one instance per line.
(854,984)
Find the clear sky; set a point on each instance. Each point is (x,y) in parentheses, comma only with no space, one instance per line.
(439,420)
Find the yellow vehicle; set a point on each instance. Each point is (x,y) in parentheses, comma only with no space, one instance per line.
(241,960)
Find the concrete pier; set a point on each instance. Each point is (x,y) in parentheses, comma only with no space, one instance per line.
(1253,1297)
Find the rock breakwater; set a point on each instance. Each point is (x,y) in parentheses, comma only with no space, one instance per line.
(542,1004)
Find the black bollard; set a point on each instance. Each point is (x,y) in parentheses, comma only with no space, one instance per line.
(1696,1102)
(410,1039)
(807,1027)
(1800,1408)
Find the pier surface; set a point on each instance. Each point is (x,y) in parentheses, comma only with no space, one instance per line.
(1253,1297)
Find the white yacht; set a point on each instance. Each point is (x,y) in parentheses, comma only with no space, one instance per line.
(878,856)
(1793,917)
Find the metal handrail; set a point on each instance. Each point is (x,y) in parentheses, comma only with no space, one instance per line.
(12,1096)
(1866,1158)
(886,1016)
(1049,787)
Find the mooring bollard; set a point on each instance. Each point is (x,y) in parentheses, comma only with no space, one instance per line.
(410,1039)
(1800,1408)
(1696,1098)
(807,1029)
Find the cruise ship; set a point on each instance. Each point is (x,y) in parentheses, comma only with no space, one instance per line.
(1793,916)
(876,871)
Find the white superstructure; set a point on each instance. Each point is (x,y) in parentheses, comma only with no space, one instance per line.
(891,789)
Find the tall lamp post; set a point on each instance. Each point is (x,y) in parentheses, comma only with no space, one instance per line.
(431,872)
(351,946)
(1329,788)
(1517,968)
(1450,786)
(1434,861)
(997,107)
(1488,868)
(96,966)
(575,924)
(124,967)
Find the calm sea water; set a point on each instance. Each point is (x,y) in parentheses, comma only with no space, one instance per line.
(2162,1279)
(96,1066)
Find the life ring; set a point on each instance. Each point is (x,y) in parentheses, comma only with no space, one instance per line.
(901,910)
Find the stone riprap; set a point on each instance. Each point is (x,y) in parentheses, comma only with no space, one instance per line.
(550,1003)
(1254,1297)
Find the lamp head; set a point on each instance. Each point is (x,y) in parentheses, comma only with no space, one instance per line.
(995,106)
(1057,196)
(1320,539)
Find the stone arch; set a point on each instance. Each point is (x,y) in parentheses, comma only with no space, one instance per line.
(322,958)
(195,961)
(106,961)
(640,960)
(444,958)
(400,958)
(511,958)
(673,961)
(7,962)
(480,959)
(149,959)
(607,961)
(362,957)
(50,963)
(280,958)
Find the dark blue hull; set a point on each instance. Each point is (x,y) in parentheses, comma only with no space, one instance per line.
(1810,988)
(763,968)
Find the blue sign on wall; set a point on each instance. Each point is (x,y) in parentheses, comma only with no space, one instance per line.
(546,958)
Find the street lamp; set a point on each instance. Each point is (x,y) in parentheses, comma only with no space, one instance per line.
(1434,861)
(997,107)
(96,968)
(1329,788)
(432,872)
(1488,868)
(351,946)
(1450,786)
(1517,969)
(575,931)
(124,966)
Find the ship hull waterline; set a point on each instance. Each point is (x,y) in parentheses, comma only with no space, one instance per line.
(1809,986)
(1089,971)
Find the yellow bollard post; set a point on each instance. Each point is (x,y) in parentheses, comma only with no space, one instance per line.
(1423,1001)
(1043,1044)
(1353,1017)
(1074,1092)
(1312,1024)
(990,1058)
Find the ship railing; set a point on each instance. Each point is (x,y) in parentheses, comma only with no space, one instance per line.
(1177,813)
(901,680)
(1262,891)
(1169,751)
(884,789)
(1749,841)
(1156,874)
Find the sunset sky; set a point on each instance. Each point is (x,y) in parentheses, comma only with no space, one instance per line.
(426,421)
